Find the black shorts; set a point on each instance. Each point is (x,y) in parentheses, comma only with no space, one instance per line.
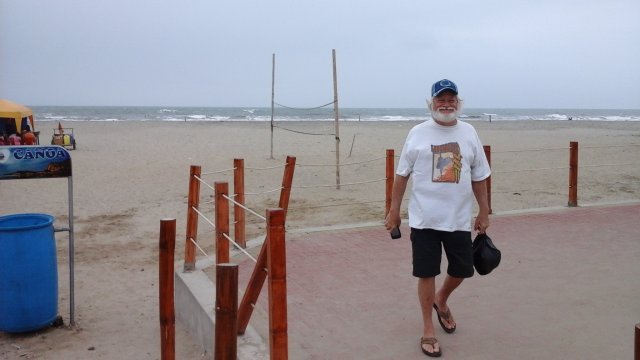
(426,246)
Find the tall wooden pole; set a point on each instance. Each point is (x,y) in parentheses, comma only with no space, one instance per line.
(337,117)
(166,289)
(238,212)
(390,163)
(487,153)
(287,180)
(226,327)
(636,350)
(573,174)
(192,219)
(277,268)
(273,91)
(222,221)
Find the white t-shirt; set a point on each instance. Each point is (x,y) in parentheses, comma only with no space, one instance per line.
(443,160)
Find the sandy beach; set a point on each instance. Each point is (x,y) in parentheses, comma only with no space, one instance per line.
(129,175)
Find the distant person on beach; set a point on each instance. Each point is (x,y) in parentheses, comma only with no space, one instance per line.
(28,138)
(14,139)
(449,168)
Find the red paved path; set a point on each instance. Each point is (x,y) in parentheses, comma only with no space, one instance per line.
(568,287)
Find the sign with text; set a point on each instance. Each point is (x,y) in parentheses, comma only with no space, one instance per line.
(34,162)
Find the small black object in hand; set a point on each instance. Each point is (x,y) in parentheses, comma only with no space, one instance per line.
(486,255)
(395,233)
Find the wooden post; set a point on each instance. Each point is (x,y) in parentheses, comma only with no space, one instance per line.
(352,142)
(636,355)
(573,174)
(225,338)
(167,309)
(259,274)
(192,219)
(487,153)
(273,91)
(337,117)
(277,267)
(254,287)
(389,180)
(238,212)
(222,222)
(287,180)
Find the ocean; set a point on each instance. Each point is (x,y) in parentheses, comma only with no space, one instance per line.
(166,113)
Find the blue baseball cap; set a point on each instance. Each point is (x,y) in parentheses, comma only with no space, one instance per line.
(443,85)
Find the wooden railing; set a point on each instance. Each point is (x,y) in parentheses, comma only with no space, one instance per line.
(231,319)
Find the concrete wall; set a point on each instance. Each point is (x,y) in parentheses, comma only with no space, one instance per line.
(194,306)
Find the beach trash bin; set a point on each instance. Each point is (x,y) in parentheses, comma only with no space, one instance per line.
(28,272)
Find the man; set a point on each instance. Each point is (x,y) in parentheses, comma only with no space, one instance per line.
(28,138)
(449,167)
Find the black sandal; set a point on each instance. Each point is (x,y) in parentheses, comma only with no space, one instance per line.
(444,315)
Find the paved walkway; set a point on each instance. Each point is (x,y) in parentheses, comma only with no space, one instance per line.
(568,288)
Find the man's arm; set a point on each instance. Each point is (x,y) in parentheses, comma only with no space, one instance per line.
(480,192)
(393,217)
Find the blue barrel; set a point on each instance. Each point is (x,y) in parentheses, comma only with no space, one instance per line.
(28,272)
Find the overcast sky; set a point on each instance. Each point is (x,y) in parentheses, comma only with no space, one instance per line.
(502,54)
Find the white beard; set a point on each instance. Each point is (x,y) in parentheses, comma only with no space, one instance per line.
(447,118)
(444,118)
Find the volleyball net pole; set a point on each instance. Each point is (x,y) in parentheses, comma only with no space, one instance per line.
(336,111)
(273,87)
(337,118)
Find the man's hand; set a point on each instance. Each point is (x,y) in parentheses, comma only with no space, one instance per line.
(392,220)
(482,222)
(480,192)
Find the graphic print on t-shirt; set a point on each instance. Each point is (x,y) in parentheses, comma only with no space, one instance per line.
(447,163)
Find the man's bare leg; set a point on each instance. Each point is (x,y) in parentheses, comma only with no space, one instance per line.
(426,295)
(448,286)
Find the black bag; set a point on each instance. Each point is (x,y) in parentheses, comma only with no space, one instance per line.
(486,256)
